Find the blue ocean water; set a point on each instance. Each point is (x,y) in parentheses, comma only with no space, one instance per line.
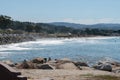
(89,49)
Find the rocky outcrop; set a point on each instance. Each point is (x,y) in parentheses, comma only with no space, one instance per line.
(108,65)
(81,64)
(10,63)
(104,67)
(26,65)
(116,70)
(64,60)
(43,63)
(67,66)
(39,60)
(112,63)
(44,66)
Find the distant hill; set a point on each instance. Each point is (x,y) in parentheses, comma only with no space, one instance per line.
(57,29)
(83,26)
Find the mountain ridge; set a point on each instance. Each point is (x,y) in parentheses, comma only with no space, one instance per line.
(106,26)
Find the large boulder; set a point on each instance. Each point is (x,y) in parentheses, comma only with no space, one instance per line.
(68,66)
(81,64)
(111,62)
(8,62)
(115,64)
(39,60)
(65,63)
(26,65)
(52,63)
(44,66)
(64,60)
(105,67)
(116,71)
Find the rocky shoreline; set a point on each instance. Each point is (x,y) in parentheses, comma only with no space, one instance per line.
(15,38)
(8,38)
(65,63)
(47,64)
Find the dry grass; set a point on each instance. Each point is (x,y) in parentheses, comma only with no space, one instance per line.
(106,77)
(99,77)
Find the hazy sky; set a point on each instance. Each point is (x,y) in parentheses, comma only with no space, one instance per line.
(76,11)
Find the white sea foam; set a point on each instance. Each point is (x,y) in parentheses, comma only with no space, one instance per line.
(53,41)
(91,40)
(11,47)
(100,37)
(82,40)
(50,42)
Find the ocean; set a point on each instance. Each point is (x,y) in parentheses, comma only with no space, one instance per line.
(87,49)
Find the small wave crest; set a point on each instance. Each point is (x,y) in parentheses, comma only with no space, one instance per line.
(38,44)
(11,47)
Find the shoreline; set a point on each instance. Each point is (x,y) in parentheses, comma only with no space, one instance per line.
(36,74)
(29,38)
(44,41)
(66,69)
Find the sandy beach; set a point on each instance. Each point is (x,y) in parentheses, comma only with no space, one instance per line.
(61,74)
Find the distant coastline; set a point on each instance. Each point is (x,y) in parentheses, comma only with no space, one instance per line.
(17,38)
(15,31)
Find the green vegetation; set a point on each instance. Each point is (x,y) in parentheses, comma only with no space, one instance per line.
(99,77)
(5,21)
(106,77)
(7,25)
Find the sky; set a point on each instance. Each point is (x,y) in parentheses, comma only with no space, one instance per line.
(73,11)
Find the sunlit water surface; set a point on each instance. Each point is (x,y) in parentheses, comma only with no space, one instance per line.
(86,49)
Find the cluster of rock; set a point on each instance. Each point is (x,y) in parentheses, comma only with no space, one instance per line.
(111,66)
(44,63)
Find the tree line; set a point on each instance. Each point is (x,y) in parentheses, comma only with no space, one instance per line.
(7,24)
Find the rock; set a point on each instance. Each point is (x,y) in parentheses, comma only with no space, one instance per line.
(64,60)
(105,67)
(68,66)
(26,65)
(113,63)
(44,66)
(81,64)
(53,63)
(39,60)
(65,64)
(8,62)
(30,65)
(116,71)
(86,68)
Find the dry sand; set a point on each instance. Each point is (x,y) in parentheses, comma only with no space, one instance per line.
(60,74)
